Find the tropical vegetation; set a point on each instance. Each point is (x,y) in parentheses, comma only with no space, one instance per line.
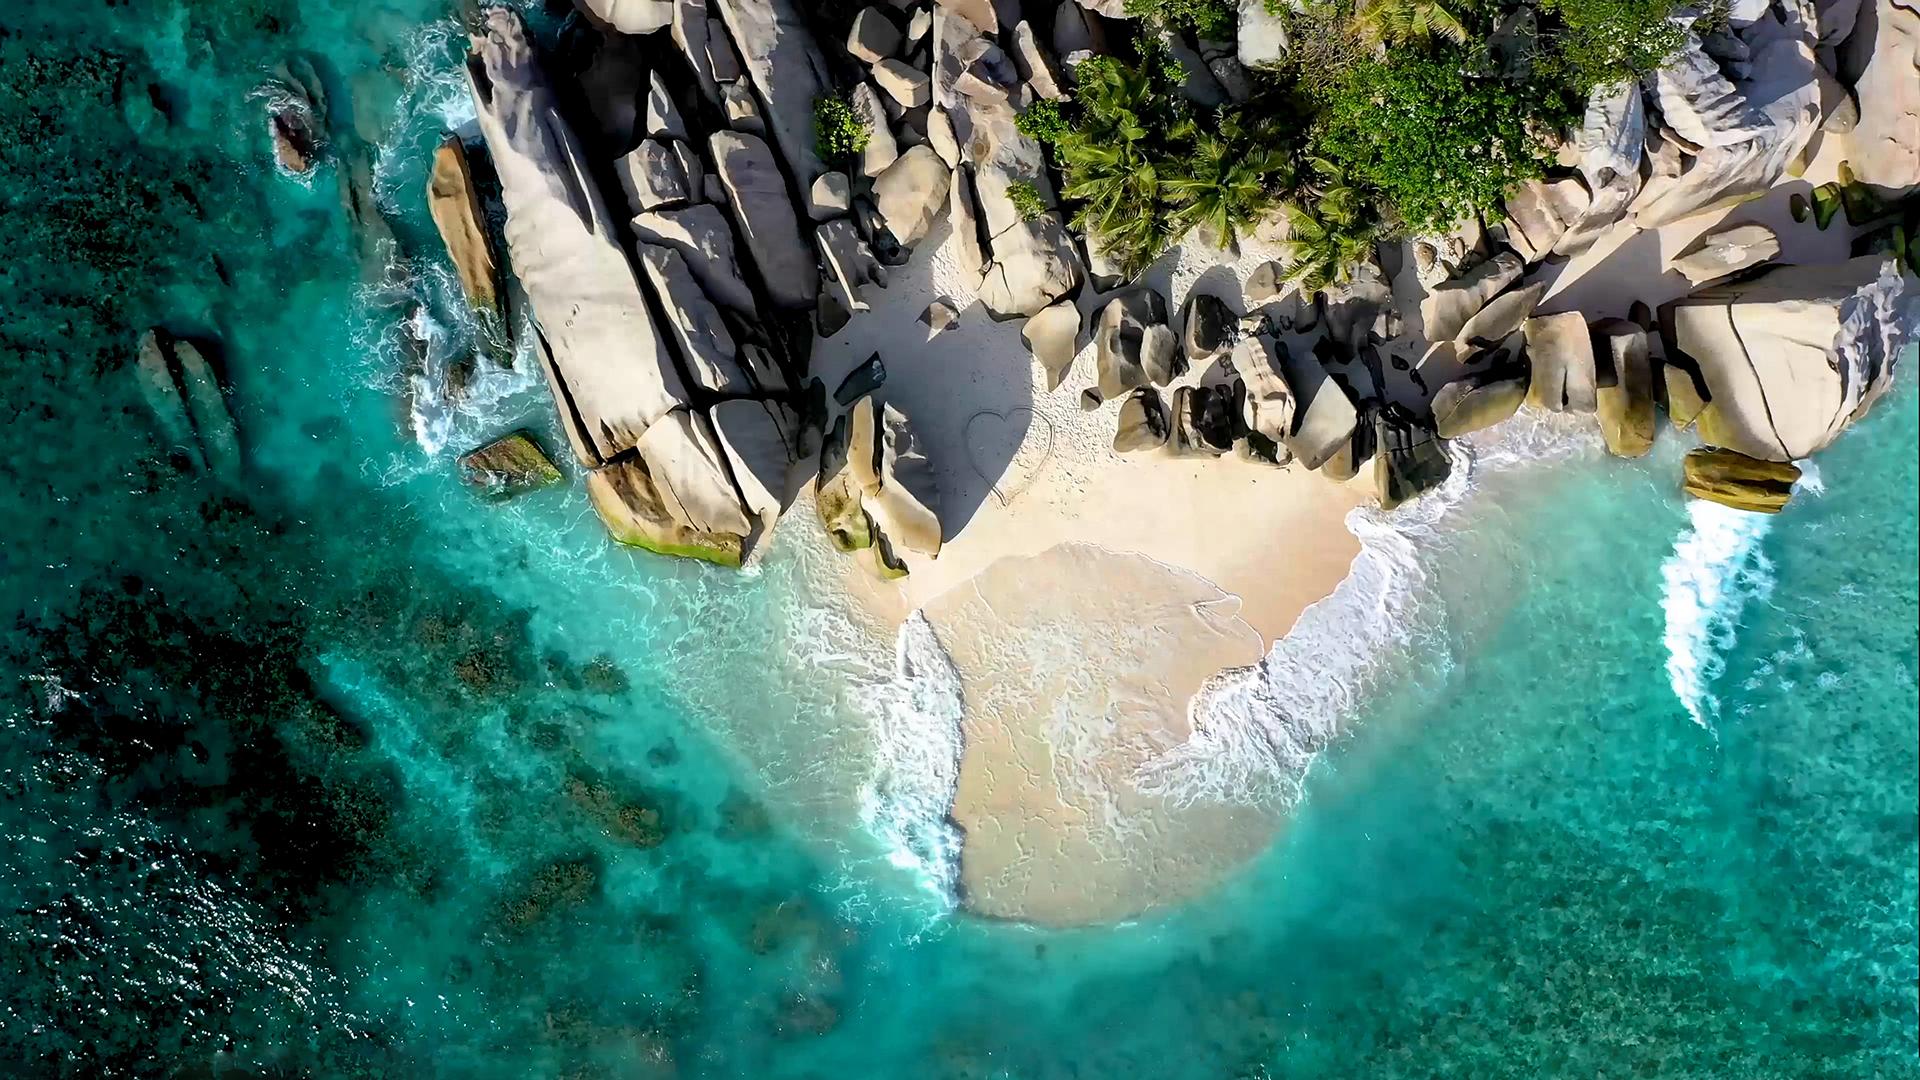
(1389,118)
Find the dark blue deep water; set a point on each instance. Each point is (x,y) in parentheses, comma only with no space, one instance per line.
(334,770)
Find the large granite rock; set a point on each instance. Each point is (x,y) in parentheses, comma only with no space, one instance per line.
(1204,421)
(1733,479)
(1324,412)
(1135,345)
(1053,337)
(1448,306)
(1409,459)
(455,207)
(690,473)
(694,31)
(1884,145)
(1725,251)
(964,237)
(628,16)
(1784,89)
(1478,401)
(1143,423)
(761,441)
(780,58)
(1560,350)
(701,234)
(1262,37)
(1540,212)
(1700,104)
(764,211)
(1268,407)
(1030,261)
(882,149)
(851,267)
(836,492)
(706,346)
(1208,329)
(1034,65)
(898,489)
(1611,143)
(873,36)
(511,465)
(631,507)
(907,85)
(1793,357)
(616,373)
(653,176)
(1623,393)
(911,192)
(1681,392)
(1503,316)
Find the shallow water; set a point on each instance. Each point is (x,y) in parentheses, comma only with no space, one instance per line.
(343,772)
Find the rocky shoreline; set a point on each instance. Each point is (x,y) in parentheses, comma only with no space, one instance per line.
(685,226)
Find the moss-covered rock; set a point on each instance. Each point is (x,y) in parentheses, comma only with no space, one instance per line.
(508,466)
(624,496)
(1733,479)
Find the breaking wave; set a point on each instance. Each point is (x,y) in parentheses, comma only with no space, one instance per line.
(1716,568)
(908,801)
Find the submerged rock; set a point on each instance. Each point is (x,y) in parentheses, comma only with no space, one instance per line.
(1731,478)
(162,395)
(511,465)
(207,405)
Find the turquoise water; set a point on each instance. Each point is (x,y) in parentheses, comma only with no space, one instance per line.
(341,772)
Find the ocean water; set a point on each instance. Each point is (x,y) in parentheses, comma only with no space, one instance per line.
(339,771)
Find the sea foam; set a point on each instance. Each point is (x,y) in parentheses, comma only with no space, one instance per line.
(1716,569)
(908,800)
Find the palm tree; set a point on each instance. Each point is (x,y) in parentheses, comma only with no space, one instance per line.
(1228,180)
(1394,22)
(1326,242)
(1109,164)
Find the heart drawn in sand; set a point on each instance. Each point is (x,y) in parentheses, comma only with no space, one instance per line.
(1008,449)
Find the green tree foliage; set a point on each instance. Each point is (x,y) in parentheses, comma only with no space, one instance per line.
(1434,141)
(1043,121)
(837,132)
(1229,177)
(1599,42)
(1397,22)
(1330,235)
(1206,18)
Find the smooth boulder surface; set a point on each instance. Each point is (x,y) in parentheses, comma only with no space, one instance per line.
(629,16)
(701,234)
(1793,357)
(1209,328)
(778,55)
(690,473)
(1623,394)
(836,493)
(898,489)
(911,192)
(1884,145)
(1325,415)
(1203,421)
(652,176)
(1725,251)
(1053,337)
(882,149)
(616,372)
(759,439)
(455,208)
(1560,349)
(908,86)
(1269,404)
(873,36)
(631,507)
(1135,345)
(511,465)
(850,264)
(764,211)
(1540,212)
(1502,317)
(1682,395)
(706,345)
(1143,422)
(1700,104)
(1449,305)
(1477,402)
(1733,479)
(1409,458)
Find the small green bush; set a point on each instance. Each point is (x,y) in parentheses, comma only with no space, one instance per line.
(1043,121)
(837,132)
(1213,19)
(1600,42)
(1432,141)
(1026,199)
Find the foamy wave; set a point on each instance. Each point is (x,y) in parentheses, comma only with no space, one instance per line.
(909,799)
(1716,568)
(1257,730)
